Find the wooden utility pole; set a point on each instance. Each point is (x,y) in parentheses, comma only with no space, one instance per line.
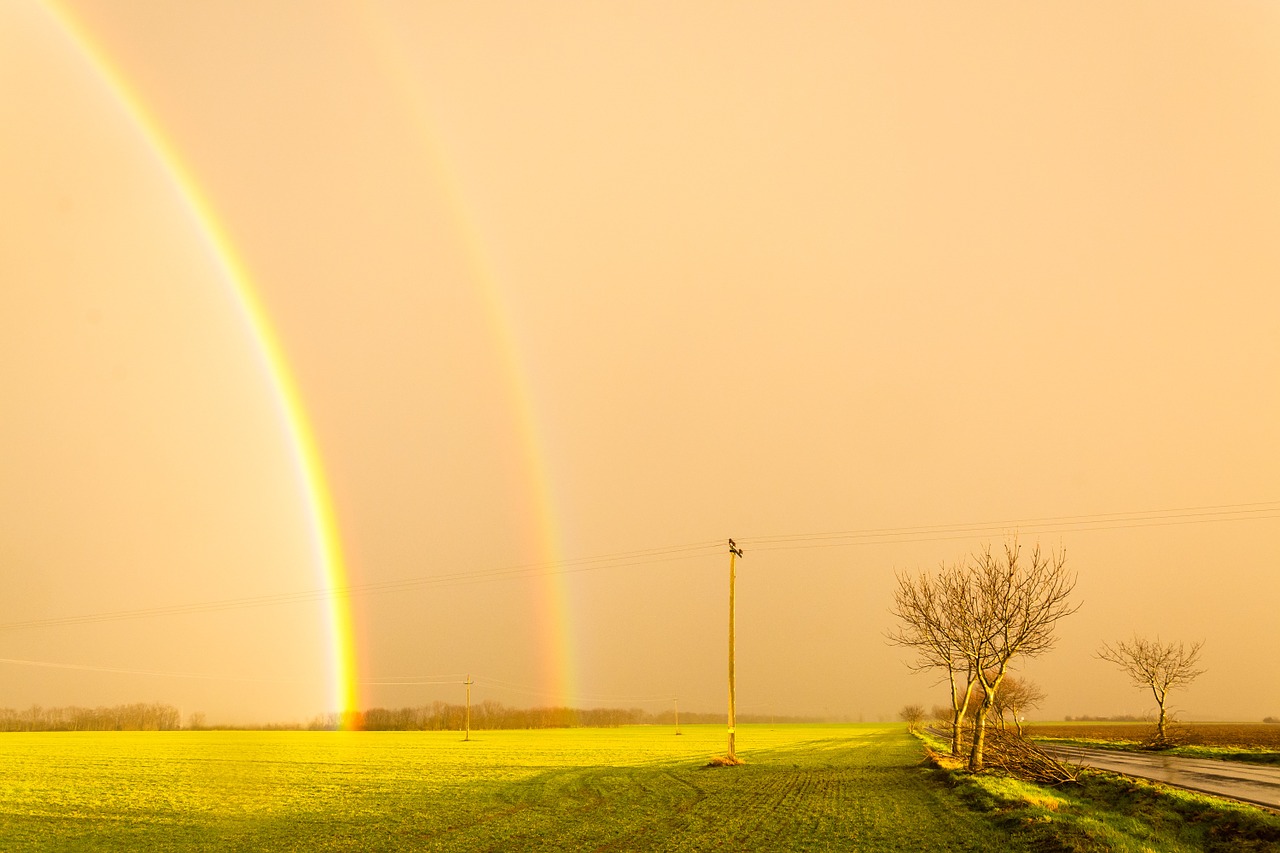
(734,552)
(468,682)
(677,701)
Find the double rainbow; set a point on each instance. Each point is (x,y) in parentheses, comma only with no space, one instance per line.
(306,457)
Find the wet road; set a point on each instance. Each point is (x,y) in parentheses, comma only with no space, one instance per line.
(1252,783)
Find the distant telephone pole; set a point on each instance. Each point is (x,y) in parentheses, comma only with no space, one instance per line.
(468,682)
(677,701)
(734,552)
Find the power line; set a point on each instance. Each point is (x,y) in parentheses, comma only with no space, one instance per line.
(411,680)
(509,687)
(1043,524)
(1218,509)
(1177,516)
(868,536)
(383,681)
(623,559)
(148,672)
(409,683)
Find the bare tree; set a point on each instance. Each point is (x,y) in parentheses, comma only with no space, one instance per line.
(1156,665)
(976,616)
(912,715)
(1016,695)
(1005,607)
(925,626)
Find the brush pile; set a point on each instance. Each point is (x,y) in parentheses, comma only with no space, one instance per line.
(725,761)
(1020,758)
(1174,736)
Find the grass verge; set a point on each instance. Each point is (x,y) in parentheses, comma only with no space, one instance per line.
(1253,743)
(1109,812)
(1248,755)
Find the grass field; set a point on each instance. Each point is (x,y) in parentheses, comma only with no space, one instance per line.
(642,788)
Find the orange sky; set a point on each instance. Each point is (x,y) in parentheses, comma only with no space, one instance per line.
(730,270)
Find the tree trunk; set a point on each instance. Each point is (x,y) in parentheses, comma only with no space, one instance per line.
(958,709)
(979,734)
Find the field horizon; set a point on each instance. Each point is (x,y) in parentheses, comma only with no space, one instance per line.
(490,715)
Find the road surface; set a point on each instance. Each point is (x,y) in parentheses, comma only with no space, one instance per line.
(1253,783)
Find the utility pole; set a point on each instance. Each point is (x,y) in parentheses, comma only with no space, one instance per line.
(468,682)
(677,701)
(734,551)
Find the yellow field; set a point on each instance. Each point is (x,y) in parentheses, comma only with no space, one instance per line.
(640,788)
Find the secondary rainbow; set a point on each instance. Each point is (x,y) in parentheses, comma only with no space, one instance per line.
(553,610)
(344,694)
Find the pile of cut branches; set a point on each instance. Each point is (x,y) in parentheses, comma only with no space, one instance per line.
(1019,757)
(725,761)
(1174,736)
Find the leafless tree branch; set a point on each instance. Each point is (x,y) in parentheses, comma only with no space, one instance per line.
(1156,665)
(979,614)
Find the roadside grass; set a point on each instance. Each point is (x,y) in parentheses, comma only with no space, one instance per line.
(1253,743)
(1248,755)
(1225,753)
(637,788)
(1110,812)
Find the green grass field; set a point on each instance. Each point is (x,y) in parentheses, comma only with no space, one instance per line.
(643,788)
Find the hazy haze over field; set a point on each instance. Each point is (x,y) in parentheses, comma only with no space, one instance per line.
(661,274)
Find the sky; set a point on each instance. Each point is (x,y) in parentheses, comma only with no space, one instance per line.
(569,293)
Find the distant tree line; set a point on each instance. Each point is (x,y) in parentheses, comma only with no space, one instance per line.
(138,717)
(438,716)
(490,714)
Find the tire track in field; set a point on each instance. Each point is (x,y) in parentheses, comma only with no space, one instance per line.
(586,805)
(676,816)
(860,793)
(842,795)
(730,807)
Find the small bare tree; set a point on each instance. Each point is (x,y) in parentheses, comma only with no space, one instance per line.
(1016,695)
(912,715)
(1157,666)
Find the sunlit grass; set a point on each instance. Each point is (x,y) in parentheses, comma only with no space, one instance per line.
(1109,812)
(637,788)
(640,788)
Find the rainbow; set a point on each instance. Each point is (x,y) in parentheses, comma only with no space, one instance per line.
(559,664)
(306,455)
(559,676)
